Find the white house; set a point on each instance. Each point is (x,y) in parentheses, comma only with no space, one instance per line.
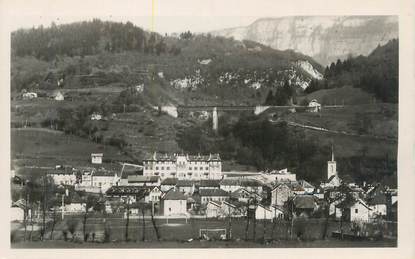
(353,210)
(96,117)
(308,188)
(63,178)
(213,209)
(58,96)
(263,212)
(154,195)
(29,95)
(96,158)
(314,106)
(174,203)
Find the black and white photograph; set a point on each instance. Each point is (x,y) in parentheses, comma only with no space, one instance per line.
(250,131)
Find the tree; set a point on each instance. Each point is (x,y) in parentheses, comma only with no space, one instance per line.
(91,202)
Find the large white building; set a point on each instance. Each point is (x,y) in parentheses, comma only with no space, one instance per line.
(191,167)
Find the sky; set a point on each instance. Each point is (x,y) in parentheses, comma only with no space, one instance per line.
(162,24)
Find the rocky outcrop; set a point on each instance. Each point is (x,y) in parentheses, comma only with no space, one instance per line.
(325,38)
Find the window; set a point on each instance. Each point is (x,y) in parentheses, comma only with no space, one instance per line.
(168,168)
(356,210)
(206,168)
(195,167)
(157,168)
(162,168)
(201,168)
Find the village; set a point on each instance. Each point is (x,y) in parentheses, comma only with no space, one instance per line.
(174,190)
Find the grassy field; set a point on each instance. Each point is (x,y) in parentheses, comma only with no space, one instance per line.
(178,233)
(42,147)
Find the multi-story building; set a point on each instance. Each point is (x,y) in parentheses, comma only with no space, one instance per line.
(191,167)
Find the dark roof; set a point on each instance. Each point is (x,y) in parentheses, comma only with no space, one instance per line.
(127,190)
(304,201)
(142,179)
(174,195)
(169,181)
(213,192)
(348,203)
(209,183)
(241,182)
(379,198)
(184,183)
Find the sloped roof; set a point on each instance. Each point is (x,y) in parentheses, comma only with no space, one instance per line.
(169,181)
(184,183)
(215,203)
(213,192)
(142,179)
(209,183)
(377,199)
(305,184)
(304,201)
(127,190)
(348,203)
(174,195)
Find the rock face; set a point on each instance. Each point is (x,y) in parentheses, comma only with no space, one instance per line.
(325,38)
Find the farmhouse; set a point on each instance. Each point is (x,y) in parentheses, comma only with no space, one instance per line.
(174,203)
(64,177)
(243,195)
(185,186)
(213,209)
(314,106)
(96,158)
(190,167)
(304,205)
(168,183)
(280,194)
(353,210)
(308,188)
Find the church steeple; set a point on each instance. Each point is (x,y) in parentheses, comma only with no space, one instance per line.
(331,165)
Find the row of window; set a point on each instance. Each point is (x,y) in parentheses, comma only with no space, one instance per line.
(207,199)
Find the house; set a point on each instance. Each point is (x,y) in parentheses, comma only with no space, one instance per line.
(233,208)
(280,194)
(140,180)
(333,181)
(96,158)
(208,184)
(378,204)
(133,193)
(230,184)
(243,195)
(308,188)
(304,205)
(296,188)
(282,175)
(262,212)
(174,203)
(97,181)
(314,106)
(76,205)
(17,210)
(185,186)
(61,177)
(96,117)
(29,95)
(207,195)
(168,183)
(214,209)
(353,210)
(57,96)
(154,195)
